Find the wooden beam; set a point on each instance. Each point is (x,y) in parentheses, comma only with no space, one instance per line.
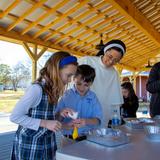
(145,58)
(143,69)
(13,5)
(28,39)
(134,81)
(35,49)
(96,34)
(75,21)
(127,8)
(34,70)
(33,56)
(109,36)
(119,70)
(45,7)
(92,29)
(28,50)
(44,49)
(28,22)
(10,40)
(127,67)
(52,10)
(140,49)
(61,18)
(28,12)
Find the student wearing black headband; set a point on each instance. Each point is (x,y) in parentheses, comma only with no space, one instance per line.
(107,85)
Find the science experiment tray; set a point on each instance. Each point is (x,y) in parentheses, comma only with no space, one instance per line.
(108,137)
(152,132)
(138,123)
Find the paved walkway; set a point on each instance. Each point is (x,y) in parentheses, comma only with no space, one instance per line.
(6,143)
(5,124)
(7,130)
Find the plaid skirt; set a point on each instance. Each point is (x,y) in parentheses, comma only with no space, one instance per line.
(34,145)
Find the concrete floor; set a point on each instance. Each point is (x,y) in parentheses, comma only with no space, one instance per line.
(6,141)
(7,130)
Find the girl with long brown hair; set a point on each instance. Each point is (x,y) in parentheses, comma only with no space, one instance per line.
(35,112)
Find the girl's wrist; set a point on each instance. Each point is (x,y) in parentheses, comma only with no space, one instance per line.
(43,123)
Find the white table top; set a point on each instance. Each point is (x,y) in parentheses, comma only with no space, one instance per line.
(140,148)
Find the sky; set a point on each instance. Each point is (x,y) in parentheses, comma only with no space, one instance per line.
(11,53)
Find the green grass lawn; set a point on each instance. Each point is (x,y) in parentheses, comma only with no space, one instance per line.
(8,99)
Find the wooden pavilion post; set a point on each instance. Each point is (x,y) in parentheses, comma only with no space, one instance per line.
(134,81)
(34,55)
(135,74)
(119,70)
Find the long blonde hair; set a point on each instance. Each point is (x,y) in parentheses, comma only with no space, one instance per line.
(54,87)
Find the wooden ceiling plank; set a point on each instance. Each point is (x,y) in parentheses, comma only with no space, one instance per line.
(151,14)
(119,35)
(92,29)
(134,50)
(139,50)
(33,2)
(84,41)
(72,21)
(28,12)
(28,39)
(28,22)
(12,6)
(147,9)
(60,18)
(140,43)
(141,58)
(127,67)
(142,4)
(80,25)
(137,45)
(57,31)
(145,59)
(132,58)
(52,10)
(126,32)
(108,37)
(137,18)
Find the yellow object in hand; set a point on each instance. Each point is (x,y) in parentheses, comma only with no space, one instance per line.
(75,133)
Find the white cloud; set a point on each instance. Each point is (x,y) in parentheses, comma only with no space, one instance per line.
(11,53)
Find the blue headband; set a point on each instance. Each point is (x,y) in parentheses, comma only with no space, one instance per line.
(67,60)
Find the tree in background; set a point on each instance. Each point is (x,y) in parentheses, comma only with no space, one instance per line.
(19,73)
(5,72)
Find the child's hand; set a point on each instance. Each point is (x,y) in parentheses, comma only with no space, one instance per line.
(52,125)
(65,112)
(69,125)
(79,122)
